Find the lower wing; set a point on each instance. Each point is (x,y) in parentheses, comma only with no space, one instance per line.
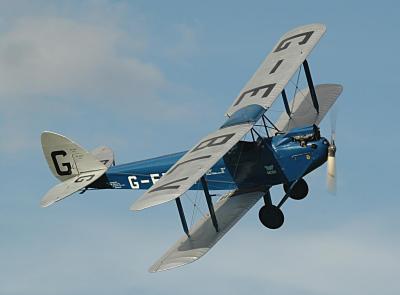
(203,236)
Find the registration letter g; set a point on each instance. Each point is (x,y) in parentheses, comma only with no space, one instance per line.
(67,166)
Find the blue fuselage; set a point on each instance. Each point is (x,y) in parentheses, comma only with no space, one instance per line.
(265,162)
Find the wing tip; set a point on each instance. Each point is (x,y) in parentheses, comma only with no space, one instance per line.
(319,26)
(161,266)
(136,207)
(46,203)
(143,204)
(337,86)
(146,202)
(140,205)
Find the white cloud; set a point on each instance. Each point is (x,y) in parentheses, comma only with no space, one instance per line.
(50,67)
(55,67)
(54,57)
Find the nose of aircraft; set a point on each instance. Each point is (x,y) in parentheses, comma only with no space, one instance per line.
(321,153)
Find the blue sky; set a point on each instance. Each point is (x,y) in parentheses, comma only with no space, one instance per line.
(152,77)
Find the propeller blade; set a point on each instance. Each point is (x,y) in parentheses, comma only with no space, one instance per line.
(333,125)
(331,165)
(331,176)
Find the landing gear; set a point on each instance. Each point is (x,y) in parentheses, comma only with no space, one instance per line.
(299,191)
(271,216)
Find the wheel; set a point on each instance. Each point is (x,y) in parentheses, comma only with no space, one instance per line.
(271,216)
(299,191)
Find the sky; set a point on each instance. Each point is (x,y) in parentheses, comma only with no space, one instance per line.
(148,78)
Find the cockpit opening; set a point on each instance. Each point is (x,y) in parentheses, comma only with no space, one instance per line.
(313,134)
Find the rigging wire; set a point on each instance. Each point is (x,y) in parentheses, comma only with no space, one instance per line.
(296,88)
(194,205)
(196,208)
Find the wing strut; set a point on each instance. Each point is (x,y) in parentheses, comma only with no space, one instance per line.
(286,103)
(270,122)
(182,216)
(311,85)
(209,203)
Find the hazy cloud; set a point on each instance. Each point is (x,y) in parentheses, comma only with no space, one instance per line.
(58,68)
(54,57)
(87,257)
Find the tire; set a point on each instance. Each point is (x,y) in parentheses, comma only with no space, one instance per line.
(271,217)
(299,191)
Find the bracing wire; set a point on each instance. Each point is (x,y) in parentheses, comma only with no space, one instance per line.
(296,88)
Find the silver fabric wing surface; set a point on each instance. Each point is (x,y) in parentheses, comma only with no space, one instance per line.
(303,112)
(279,66)
(192,166)
(228,210)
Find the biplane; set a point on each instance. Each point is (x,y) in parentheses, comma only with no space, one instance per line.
(282,154)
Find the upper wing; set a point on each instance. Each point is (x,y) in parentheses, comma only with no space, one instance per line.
(279,66)
(258,94)
(303,112)
(193,165)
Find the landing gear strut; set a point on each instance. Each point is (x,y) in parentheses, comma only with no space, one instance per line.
(271,216)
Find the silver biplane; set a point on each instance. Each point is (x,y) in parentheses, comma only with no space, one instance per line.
(291,148)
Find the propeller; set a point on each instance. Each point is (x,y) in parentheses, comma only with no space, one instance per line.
(331,165)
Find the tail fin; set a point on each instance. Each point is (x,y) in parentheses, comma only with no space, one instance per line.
(105,155)
(65,158)
(75,167)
